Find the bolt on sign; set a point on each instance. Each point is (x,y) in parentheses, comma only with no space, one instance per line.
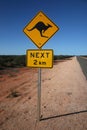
(40,58)
(40,29)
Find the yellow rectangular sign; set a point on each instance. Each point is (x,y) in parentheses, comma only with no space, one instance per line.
(40,58)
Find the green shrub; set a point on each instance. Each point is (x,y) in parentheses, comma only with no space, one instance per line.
(12,61)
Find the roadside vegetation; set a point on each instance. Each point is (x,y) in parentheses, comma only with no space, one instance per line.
(12,61)
(8,61)
(62,57)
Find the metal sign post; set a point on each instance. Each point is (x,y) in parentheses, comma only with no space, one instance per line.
(39,94)
(40,29)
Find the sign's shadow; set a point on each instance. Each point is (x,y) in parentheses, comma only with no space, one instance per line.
(62,115)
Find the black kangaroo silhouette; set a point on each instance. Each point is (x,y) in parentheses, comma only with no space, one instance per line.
(41,27)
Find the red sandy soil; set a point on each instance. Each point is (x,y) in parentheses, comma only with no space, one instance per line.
(63,98)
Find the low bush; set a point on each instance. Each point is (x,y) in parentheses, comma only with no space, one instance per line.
(12,61)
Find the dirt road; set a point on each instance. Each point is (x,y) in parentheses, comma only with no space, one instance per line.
(63,104)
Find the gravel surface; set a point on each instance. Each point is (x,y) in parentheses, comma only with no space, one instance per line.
(63,98)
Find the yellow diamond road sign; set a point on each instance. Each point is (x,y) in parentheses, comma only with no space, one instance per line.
(40,58)
(40,29)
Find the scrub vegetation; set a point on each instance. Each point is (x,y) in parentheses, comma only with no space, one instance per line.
(12,61)
(7,61)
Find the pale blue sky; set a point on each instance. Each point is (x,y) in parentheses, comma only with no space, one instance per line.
(69,15)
